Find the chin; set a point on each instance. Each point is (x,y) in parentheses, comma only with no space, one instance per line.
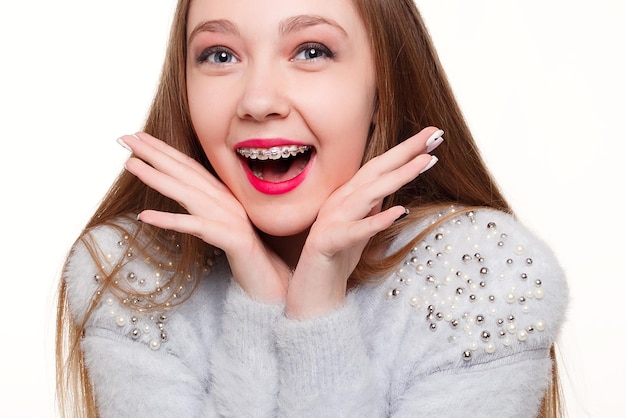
(278,226)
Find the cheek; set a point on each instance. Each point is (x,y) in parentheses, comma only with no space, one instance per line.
(341,116)
(210,116)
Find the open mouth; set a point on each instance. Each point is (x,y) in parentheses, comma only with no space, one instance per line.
(277,164)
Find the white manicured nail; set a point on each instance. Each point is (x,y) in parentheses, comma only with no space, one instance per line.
(123,144)
(434,141)
(433,161)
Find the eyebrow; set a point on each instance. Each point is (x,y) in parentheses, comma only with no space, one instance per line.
(292,24)
(219,26)
(296,23)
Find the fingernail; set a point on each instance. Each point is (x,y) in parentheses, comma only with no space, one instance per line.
(138,217)
(434,141)
(433,161)
(123,144)
(404,215)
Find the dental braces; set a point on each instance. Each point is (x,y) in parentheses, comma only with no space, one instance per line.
(274,153)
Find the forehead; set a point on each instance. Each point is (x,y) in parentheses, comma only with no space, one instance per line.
(272,14)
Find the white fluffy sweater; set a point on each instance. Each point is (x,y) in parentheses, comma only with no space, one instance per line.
(462,328)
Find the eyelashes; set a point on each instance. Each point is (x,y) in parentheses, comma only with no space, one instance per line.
(313,51)
(221,55)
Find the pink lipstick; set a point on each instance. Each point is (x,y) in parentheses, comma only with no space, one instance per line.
(275,166)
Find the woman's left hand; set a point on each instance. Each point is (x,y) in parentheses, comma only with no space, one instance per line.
(348,219)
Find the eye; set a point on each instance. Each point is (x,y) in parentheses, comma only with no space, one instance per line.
(312,51)
(217,55)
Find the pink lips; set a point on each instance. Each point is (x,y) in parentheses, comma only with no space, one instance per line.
(268,187)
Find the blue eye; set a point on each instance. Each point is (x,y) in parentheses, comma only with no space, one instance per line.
(217,55)
(313,51)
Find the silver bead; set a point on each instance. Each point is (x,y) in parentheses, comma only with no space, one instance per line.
(485,336)
(467,355)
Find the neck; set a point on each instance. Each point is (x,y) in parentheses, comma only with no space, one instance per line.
(287,248)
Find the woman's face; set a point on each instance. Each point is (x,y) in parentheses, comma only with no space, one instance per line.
(282,96)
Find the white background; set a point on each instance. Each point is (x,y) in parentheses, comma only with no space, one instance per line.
(541,84)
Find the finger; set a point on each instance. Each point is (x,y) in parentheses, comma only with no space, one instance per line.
(360,202)
(171,151)
(169,160)
(359,232)
(407,150)
(212,231)
(164,183)
(396,157)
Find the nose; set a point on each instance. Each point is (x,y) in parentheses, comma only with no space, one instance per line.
(264,93)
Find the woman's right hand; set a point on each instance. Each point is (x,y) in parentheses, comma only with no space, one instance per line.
(214,215)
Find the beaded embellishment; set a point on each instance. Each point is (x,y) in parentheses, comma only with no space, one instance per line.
(461,297)
(142,298)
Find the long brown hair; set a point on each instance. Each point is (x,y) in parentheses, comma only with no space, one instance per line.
(412,93)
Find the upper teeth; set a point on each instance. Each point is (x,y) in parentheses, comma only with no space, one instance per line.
(273,153)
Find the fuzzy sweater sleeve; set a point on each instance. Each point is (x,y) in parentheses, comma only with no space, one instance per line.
(477,304)
(212,356)
(325,369)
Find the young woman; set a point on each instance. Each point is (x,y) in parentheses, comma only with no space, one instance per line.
(284,241)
